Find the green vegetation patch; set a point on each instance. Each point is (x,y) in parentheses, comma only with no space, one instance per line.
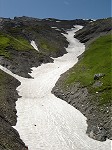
(21,44)
(3,44)
(47,46)
(8,42)
(96,59)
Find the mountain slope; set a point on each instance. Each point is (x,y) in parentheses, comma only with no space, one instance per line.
(19,56)
(80,88)
(9,138)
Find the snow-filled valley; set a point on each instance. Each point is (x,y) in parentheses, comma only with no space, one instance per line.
(44,121)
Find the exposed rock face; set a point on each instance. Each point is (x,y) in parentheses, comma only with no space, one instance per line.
(9,138)
(22,62)
(98,118)
(94,29)
(84,102)
(52,22)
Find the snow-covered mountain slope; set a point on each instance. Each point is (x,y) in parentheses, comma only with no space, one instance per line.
(46,122)
(17,55)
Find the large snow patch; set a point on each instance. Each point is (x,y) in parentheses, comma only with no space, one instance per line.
(46,122)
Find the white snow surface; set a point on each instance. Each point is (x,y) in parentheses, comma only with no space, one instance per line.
(54,27)
(34,45)
(58,21)
(46,122)
(58,29)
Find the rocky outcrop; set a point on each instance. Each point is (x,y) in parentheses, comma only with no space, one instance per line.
(98,76)
(98,118)
(21,62)
(9,137)
(94,30)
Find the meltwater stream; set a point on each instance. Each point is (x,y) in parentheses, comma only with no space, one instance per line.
(46,122)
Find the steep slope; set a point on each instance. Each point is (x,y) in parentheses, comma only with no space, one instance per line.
(17,54)
(87,85)
(9,137)
(16,34)
(94,29)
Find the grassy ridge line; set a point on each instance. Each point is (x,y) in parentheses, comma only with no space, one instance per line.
(95,60)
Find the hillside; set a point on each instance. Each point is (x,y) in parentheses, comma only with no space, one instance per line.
(16,35)
(9,137)
(80,88)
(77,86)
(17,54)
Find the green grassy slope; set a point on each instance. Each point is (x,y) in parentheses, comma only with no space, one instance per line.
(95,60)
(8,42)
(50,42)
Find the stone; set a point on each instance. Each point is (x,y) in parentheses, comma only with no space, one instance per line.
(97,133)
(98,76)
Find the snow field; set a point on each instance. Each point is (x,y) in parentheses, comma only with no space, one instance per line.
(46,122)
